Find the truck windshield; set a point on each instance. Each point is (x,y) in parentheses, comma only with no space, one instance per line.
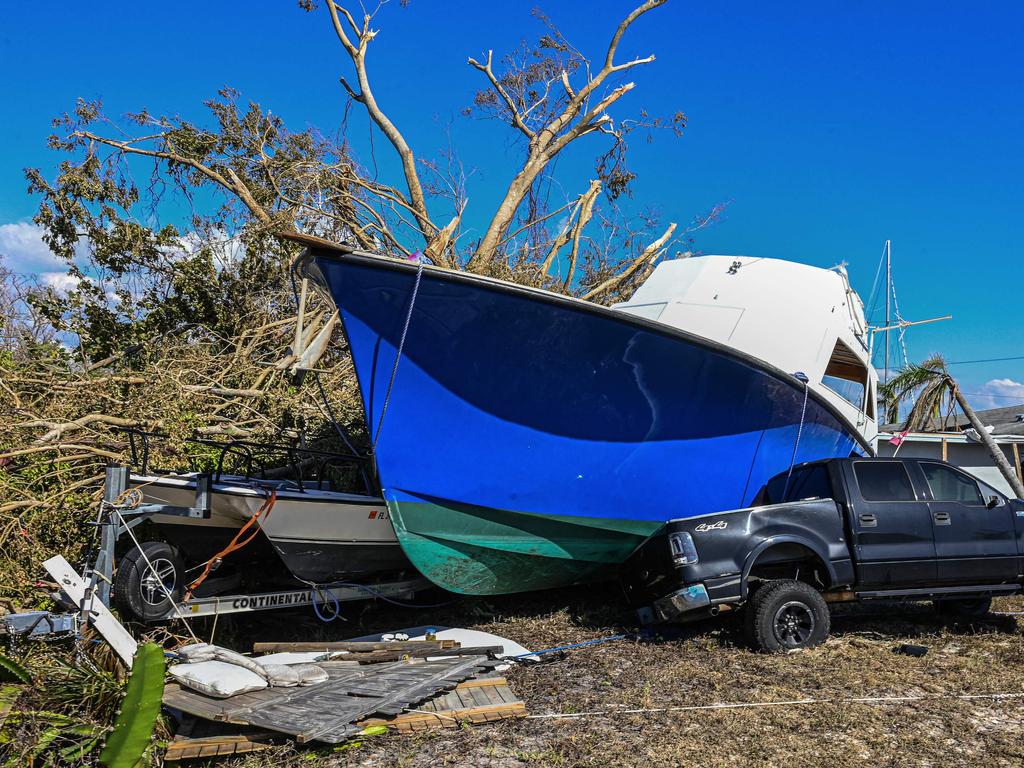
(808,482)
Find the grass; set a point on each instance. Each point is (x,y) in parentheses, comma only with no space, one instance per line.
(706,664)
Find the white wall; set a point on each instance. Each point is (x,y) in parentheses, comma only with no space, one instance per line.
(972,457)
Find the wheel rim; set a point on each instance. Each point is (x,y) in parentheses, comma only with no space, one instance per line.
(158,581)
(794,624)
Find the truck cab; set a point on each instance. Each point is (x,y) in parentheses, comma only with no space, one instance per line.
(847,529)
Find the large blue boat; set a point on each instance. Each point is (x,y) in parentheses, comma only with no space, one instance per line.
(527,440)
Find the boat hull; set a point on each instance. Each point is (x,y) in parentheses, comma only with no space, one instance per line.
(532,441)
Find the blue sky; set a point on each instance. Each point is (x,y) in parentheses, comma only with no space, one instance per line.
(829,127)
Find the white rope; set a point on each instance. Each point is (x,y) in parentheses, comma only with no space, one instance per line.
(791,703)
(174,603)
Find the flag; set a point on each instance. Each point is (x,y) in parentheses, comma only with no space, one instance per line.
(898,438)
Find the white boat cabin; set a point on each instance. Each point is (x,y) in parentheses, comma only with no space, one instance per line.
(793,316)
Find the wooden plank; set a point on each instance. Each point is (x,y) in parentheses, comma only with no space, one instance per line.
(219,746)
(99,615)
(482,682)
(945,450)
(1016,461)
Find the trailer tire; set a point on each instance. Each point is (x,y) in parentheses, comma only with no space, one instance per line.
(785,615)
(141,595)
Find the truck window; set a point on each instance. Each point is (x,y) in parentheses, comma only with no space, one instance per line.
(947,484)
(883,481)
(806,483)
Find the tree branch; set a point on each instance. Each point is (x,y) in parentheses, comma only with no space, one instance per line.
(649,254)
(517,118)
(417,202)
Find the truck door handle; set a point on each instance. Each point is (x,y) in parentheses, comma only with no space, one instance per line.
(941,518)
(868,520)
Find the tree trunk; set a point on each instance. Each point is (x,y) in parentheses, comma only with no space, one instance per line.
(487,249)
(997,453)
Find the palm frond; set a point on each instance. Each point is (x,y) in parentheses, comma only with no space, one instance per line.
(929,379)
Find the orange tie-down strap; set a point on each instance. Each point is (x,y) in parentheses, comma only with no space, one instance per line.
(237,542)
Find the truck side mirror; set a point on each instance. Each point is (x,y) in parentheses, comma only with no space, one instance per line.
(993,502)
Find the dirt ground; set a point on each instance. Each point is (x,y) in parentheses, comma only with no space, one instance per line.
(705,664)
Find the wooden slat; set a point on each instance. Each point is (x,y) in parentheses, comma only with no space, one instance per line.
(214,746)
(475,701)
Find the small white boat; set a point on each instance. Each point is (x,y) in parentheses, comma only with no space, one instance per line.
(319,535)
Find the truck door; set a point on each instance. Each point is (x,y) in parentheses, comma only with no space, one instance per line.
(892,527)
(974,543)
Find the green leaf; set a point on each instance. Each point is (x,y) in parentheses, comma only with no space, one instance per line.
(12,671)
(133,728)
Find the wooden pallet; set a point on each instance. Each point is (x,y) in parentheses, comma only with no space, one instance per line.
(328,711)
(213,746)
(477,701)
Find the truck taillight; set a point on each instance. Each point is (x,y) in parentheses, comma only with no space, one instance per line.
(684,552)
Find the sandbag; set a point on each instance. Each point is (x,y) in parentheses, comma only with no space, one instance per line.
(281,675)
(196,652)
(310,674)
(217,678)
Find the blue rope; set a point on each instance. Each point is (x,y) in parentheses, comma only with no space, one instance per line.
(569,647)
(316,607)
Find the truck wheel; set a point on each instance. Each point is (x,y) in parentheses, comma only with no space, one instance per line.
(141,588)
(971,608)
(785,614)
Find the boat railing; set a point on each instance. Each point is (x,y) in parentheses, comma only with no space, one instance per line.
(309,466)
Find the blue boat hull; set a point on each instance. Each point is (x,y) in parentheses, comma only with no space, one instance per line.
(532,441)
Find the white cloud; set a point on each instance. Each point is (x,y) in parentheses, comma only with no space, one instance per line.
(59,281)
(23,249)
(999,393)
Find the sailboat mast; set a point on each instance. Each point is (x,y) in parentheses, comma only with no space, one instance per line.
(888,302)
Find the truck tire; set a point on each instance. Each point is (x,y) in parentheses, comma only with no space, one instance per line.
(140,591)
(785,615)
(969,608)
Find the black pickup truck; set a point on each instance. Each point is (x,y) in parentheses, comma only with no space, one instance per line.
(831,531)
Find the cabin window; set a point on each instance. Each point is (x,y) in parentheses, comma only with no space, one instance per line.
(883,481)
(949,485)
(847,376)
(807,482)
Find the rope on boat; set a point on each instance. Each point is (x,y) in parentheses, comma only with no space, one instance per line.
(236,543)
(398,356)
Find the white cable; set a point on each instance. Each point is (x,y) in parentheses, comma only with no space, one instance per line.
(792,703)
(174,603)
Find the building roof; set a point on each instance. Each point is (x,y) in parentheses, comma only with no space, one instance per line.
(1006,421)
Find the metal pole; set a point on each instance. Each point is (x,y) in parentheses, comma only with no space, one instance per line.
(888,320)
(117,481)
(888,301)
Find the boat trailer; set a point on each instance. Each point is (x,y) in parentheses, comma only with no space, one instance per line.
(117,519)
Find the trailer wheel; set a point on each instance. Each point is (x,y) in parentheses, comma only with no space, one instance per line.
(970,608)
(784,615)
(141,588)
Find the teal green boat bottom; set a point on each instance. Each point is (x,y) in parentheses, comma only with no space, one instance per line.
(482,551)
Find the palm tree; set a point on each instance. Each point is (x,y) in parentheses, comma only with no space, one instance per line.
(933,391)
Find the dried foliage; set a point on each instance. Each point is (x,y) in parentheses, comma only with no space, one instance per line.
(179,312)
